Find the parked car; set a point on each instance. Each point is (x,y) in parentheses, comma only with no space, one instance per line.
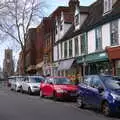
(31,84)
(100,91)
(58,88)
(9,81)
(15,82)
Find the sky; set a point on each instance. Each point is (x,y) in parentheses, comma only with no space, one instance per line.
(53,4)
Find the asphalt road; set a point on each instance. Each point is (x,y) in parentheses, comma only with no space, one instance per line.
(17,106)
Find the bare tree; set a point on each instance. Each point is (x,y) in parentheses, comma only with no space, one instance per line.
(16,17)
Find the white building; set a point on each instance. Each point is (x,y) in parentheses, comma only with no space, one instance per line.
(81,46)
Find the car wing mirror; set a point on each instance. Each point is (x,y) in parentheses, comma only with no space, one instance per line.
(51,83)
(100,89)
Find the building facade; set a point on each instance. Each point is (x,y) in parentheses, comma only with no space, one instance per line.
(8,64)
(82,50)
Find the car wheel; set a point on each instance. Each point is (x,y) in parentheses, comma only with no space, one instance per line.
(41,94)
(21,89)
(80,102)
(54,96)
(29,91)
(106,109)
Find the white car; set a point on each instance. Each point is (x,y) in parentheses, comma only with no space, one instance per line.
(31,84)
(16,83)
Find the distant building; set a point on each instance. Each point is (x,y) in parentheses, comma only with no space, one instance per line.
(8,64)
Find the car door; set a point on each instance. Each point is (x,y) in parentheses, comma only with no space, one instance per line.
(96,96)
(47,88)
(86,89)
(50,87)
(24,84)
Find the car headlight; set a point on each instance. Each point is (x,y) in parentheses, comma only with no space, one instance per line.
(115,96)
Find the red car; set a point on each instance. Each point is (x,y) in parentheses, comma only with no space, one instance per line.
(58,88)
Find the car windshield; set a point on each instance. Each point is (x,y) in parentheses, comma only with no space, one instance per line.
(62,81)
(112,83)
(37,79)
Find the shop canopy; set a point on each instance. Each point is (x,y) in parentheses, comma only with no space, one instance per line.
(94,57)
(66,64)
(113,52)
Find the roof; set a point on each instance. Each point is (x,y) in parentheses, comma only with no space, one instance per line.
(95,18)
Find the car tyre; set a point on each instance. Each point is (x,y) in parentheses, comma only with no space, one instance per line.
(29,91)
(54,96)
(21,89)
(106,109)
(41,94)
(80,103)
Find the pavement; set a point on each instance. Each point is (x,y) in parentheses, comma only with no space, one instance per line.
(18,106)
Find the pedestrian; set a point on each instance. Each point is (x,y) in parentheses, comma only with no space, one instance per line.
(76,81)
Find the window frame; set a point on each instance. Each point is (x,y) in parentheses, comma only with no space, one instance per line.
(98,38)
(114,33)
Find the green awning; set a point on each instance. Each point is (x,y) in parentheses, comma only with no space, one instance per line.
(94,57)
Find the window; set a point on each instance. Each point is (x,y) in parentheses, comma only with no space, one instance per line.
(96,83)
(114,32)
(107,6)
(65,49)
(77,19)
(87,80)
(76,46)
(61,50)
(83,39)
(70,48)
(98,35)
(61,25)
(56,30)
(57,51)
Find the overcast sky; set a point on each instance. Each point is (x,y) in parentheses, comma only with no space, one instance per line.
(53,4)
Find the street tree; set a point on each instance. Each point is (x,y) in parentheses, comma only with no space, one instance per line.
(17,16)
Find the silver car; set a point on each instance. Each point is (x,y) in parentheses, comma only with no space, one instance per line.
(16,82)
(31,84)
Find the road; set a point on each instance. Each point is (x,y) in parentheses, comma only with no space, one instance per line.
(17,106)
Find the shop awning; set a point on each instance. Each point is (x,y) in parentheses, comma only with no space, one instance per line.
(94,57)
(31,67)
(39,65)
(113,52)
(66,64)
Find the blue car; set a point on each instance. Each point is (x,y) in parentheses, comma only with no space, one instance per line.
(100,91)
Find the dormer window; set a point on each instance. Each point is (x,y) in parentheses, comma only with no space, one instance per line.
(56,30)
(61,25)
(77,19)
(107,6)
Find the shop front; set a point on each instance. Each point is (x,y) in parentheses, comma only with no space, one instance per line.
(39,68)
(114,57)
(95,63)
(69,68)
(51,69)
(31,70)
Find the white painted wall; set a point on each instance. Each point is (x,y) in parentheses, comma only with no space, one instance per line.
(82,18)
(59,50)
(55,53)
(73,47)
(91,41)
(105,35)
